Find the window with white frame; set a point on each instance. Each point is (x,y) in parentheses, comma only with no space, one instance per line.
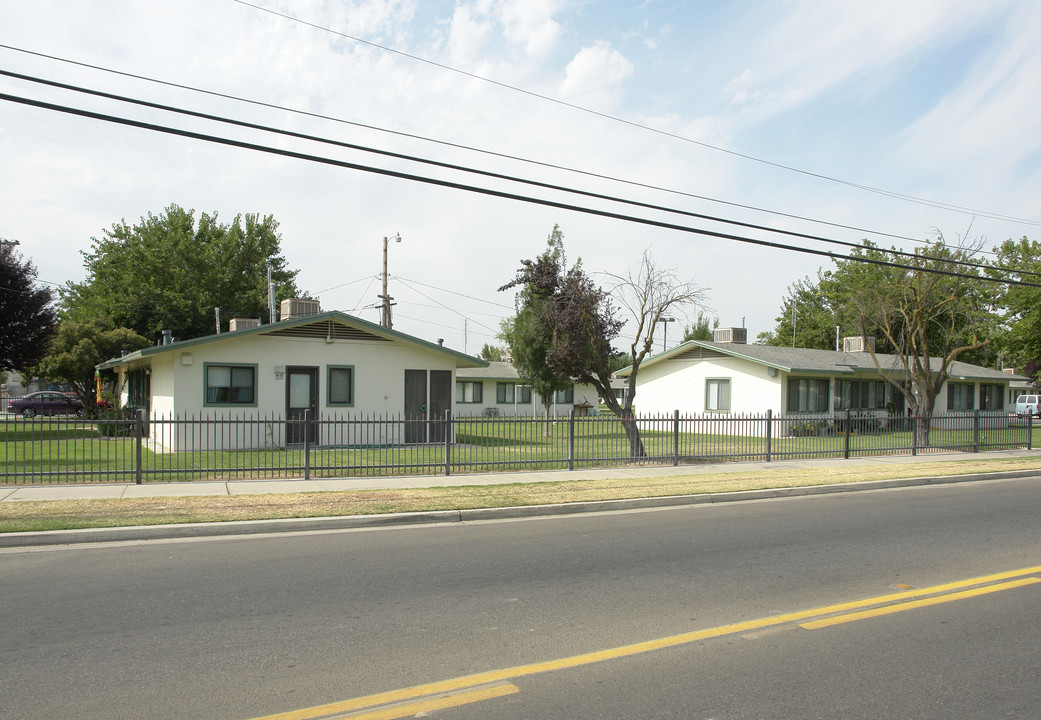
(524,394)
(567,396)
(717,395)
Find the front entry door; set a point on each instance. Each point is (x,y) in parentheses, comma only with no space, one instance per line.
(415,406)
(440,401)
(301,395)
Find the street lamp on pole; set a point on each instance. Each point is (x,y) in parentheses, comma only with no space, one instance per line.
(386,322)
(665,335)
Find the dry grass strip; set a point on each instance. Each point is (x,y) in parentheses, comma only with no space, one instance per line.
(68,514)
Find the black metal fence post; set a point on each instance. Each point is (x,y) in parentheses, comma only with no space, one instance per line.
(849,430)
(307,444)
(675,438)
(139,433)
(769,431)
(571,440)
(914,433)
(976,430)
(1030,431)
(448,442)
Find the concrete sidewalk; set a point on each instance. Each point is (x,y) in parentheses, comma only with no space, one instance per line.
(26,493)
(254,527)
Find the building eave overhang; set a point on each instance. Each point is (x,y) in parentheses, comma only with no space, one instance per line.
(462,359)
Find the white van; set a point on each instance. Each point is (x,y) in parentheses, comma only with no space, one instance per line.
(1027,405)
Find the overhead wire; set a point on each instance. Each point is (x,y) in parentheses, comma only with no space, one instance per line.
(441,304)
(648,128)
(461,168)
(485,191)
(468,148)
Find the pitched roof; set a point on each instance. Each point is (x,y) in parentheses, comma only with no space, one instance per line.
(329,324)
(494,371)
(803,360)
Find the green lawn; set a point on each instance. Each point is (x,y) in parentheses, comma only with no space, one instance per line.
(45,451)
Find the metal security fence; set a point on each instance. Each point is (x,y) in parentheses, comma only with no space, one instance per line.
(130,447)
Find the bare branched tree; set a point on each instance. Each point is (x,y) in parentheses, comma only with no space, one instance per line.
(583,320)
(649,295)
(929,319)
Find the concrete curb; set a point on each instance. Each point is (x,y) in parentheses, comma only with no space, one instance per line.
(347,522)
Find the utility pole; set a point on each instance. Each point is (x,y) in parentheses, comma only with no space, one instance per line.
(385,297)
(270,296)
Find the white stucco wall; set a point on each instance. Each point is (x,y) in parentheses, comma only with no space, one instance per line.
(488,406)
(379,372)
(680,385)
(178,389)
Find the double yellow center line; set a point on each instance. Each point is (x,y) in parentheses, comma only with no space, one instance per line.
(495,683)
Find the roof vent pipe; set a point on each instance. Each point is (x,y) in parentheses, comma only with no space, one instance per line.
(441,342)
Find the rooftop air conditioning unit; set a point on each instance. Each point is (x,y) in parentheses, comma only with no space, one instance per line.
(735,335)
(242,323)
(858,343)
(293,308)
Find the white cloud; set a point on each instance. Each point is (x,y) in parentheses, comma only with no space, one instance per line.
(990,120)
(816,46)
(70,178)
(530,24)
(595,69)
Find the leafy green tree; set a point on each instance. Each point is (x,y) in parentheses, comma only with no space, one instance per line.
(582,318)
(921,313)
(530,338)
(492,353)
(28,317)
(807,318)
(700,329)
(78,347)
(169,272)
(1020,343)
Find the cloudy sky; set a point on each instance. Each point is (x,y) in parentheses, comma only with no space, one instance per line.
(835,119)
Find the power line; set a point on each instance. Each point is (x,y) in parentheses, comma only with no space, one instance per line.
(453,292)
(337,287)
(648,128)
(459,168)
(468,148)
(489,191)
(445,306)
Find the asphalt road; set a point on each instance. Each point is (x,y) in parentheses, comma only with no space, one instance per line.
(245,627)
